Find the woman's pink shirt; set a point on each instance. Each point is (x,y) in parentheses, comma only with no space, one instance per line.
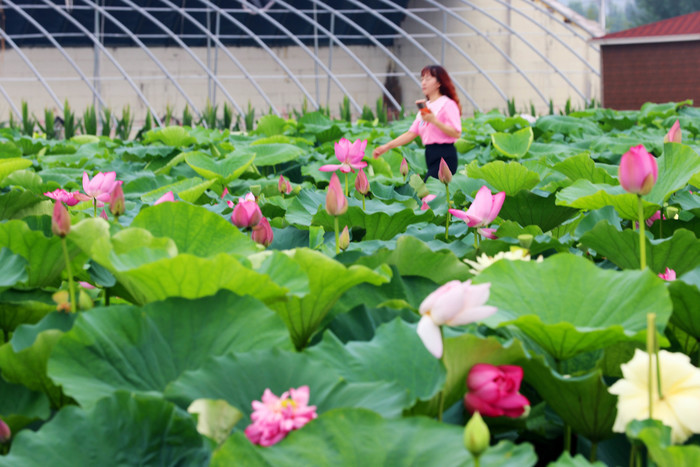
(447,112)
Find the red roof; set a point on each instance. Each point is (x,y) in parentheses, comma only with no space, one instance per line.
(680,25)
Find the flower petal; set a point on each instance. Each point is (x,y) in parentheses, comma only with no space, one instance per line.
(429,333)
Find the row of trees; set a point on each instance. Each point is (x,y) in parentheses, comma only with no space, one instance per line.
(624,14)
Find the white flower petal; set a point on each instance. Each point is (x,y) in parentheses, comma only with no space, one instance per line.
(429,333)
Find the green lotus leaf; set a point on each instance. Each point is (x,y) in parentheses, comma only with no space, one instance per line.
(141,350)
(589,196)
(194,230)
(686,307)
(143,152)
(19,307)
(14,203)
(122,429)
(582,166)
(189,190)
(528,208)
(14,269)
(569,306)
(657,439)
(19,406)
(328,280)
(568,126)
(357,436)
(7,166)
(270,125)
(677,166)
(224,170)
(565,460)
(680,252)
(273,154)
(240,378)
(8,150)
(510,177)
(25,335)
(175,136)
(514,145)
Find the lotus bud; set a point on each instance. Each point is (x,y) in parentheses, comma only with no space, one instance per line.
(403,169)
(638,171)
(262,233)
(103,215)
(476,435)
(5,432)
(224,193)
(116,201)
(344,240)
(444,172)
(336,202)
(525,240)
(168,197)
(674,134)
(283,186)
(246,214)
(672,212)
(60,221)
(361,182)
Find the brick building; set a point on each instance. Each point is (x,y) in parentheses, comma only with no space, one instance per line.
(657,62)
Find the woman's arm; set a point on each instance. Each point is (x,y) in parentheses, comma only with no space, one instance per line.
(394,143)
(449,130)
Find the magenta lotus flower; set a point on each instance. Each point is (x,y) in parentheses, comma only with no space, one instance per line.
(361,182)
(674,134)
(274,417)
(350,156)
(638,171)
(668,275)
(444,172)
(336,202)
(262,233)
(168,197)
(60,220)
(426,200)
(247,213)
(63,196)
(654,217)
(482,211)
(493,391)
(455,303)
(283,186)
(101,185)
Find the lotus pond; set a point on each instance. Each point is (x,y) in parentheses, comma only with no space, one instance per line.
(183,319)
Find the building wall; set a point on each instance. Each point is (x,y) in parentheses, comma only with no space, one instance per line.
(637,73)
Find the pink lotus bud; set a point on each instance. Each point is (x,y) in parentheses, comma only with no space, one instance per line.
(283,186)
(674,134)
(168,197)
(247,213)
(116,202)
(403,169)
(344,240)
(5,432)
(336,202)
(426,200)
(103,215)
(224,193)
(638,171)
(444,172)
(60,221)
(493,391)
(262,233)
(361,182)
(668,275)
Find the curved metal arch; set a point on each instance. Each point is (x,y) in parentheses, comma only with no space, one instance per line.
(331,76)
(143,47)
(186,49)
(525,41)
(102,48)
(31,67)
(9,101)
(554,36)
(566,25)
(240,66)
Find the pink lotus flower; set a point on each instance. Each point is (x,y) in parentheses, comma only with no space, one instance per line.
(674,134)
(482,211)
(103,215)
(168,197)
(101,186)
(283,186)
(86,285)
(275,417)
(361,182)
(63,196)
(668,275)
(336,202)
(350,156)
(638,171)
(454,304)
(262,233)
(60,220)
(5,432)
(426,200)
(493,391)
(247,213)
(224,193)
(403,168)
(444,172)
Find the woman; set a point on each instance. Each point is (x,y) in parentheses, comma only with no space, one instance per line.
(439,126)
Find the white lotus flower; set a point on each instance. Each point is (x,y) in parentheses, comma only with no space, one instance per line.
(484,261)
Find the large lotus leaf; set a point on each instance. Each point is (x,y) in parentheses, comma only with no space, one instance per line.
(680,252)
(676,167)
(189,189)
(657,439)
(514,145)
(361,437)
(25,335)
(510,177)
(28,366)
(9,150)
(14,202)
(7,166)
(44,255)
(240,378)
(568,126)
(565,460)
(225,170)
(175,136)
(583,402)
(414,257)
(143,152)
(23,307)
(568,306)
(194,230)
(14,269)
(283,270)
(686,307)
(589,196)
(328,280)
(143,349)
(123,429)
(273,154)
(528,208)
(396,354)
(20,406)
(270,125)
(582,166)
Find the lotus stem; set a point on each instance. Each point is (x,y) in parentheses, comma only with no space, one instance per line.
(94,205)
(476,240)
(642,238)
(567,438)
(650,351)
(337,242)
(346,185)
(447,221)
(594,452)
(441,396)
(363,202)
(71,286)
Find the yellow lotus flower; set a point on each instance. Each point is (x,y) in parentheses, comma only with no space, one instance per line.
(679,408)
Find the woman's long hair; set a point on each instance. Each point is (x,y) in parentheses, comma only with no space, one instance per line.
(446,86)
